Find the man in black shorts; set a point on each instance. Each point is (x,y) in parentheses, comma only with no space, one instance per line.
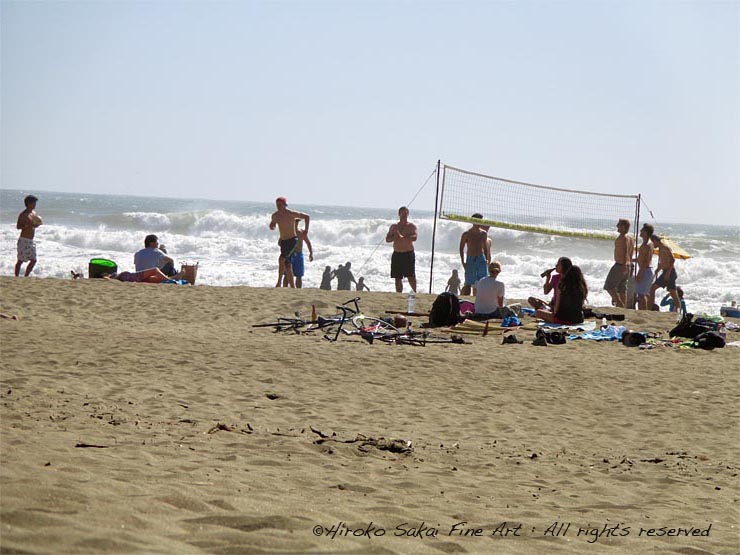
(285,220)
(403,261)
(666,273)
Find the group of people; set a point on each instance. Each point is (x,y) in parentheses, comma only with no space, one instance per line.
(482,280)
(567,284)
(152,262)
(291,239)
(565,280)
(345,278)
(647,282)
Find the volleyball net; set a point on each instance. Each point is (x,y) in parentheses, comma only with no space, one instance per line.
(535,208)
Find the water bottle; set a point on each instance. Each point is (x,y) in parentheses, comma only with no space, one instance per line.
(603,322)
(412,301)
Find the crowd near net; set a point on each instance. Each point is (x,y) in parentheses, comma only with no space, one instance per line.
(535,208)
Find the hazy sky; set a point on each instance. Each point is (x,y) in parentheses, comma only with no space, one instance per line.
(352,103)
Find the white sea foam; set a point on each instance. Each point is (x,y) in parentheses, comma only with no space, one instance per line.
(234,245)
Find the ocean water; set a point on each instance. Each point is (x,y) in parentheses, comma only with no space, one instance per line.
(234,246)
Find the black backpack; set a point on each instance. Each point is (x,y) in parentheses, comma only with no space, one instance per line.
(708,323)
(445,311)
(688,329)
(709,340)
(633,338)
(553,337)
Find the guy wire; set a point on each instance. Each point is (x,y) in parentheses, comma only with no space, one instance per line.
(434,171)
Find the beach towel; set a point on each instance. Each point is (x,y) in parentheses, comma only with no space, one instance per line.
(511,322)
(609,333)
(583,326)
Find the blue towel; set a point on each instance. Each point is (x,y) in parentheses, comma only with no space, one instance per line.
(510,322)
(609,333)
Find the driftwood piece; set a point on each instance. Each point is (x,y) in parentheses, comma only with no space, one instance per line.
(219,427)
(403,446)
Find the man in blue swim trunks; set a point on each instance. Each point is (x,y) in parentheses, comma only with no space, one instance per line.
(476,241)
(644,279)
(297,263)
(285,220)
(297,259)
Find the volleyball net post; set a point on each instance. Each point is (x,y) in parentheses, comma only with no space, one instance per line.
(434,229)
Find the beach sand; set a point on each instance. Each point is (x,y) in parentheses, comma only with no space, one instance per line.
(514,440)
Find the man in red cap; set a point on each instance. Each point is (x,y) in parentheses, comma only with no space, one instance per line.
(285,220)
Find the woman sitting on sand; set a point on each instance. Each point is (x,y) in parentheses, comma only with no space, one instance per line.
(551,284)
(572,293)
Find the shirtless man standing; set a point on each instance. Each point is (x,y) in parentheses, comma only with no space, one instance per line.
(285,220)
(666,273)
(297,261)
(27,222)
(644,280)
(403,261)
(624,248)
(479,255)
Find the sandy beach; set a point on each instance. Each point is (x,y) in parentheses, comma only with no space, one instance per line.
(155,419)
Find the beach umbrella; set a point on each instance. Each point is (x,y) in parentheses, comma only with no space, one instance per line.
(678,252)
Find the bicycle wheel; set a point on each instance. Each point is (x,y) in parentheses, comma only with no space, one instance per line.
(376,326)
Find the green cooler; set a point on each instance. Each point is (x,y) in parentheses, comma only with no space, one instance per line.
(100,267)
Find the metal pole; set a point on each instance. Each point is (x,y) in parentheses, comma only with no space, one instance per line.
(637,219)
(631,287)
(434,229)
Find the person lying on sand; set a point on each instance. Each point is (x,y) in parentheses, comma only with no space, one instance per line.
(152,275)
